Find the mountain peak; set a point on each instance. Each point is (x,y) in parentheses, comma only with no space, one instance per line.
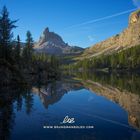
(52,43)
(134,17)
(46,30)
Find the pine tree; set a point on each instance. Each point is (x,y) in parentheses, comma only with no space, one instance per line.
(18,49)
(29,43)
(28,50)
(6,27)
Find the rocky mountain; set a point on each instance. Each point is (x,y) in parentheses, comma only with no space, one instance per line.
(52,43)
(128,38)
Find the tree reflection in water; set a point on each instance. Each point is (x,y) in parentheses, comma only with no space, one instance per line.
(13,98)
(122,89)
(9,96)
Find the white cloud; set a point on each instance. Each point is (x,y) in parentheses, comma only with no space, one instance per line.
(136,3)
(91,38)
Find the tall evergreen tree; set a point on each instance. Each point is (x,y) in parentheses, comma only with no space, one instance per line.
(6,27)
(29,42)
(28,50)
(18,50)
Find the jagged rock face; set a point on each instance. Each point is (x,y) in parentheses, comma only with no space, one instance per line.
(134,17)
(52,43)
(128,38)
(51,39)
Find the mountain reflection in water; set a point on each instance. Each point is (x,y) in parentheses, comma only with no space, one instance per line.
(80,97)
(121,89)
(55,91)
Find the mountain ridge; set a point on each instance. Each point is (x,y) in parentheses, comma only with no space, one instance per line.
(128,38)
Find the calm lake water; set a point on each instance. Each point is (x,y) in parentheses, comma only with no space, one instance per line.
(110,105)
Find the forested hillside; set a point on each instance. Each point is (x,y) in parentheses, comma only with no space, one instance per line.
(128,59)
(20,64)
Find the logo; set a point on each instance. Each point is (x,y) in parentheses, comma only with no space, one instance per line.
(68,120)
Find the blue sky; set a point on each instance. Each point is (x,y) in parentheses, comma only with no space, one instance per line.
(71,18)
